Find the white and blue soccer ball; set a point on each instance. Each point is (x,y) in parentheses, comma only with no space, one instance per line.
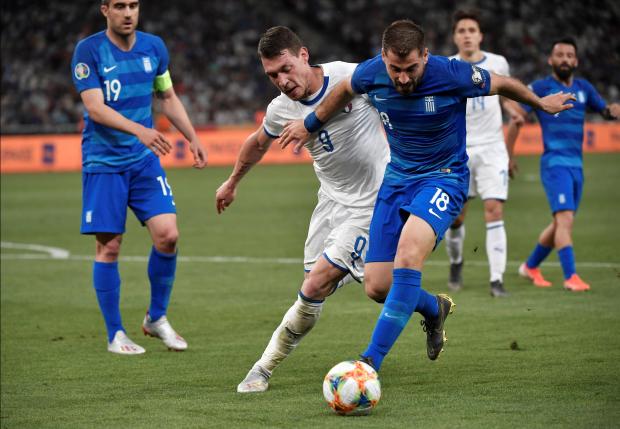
(352,388)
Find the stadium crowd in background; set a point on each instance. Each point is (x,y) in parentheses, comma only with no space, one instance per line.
(213,48)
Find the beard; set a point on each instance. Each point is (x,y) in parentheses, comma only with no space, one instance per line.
(564,71)
(407,88)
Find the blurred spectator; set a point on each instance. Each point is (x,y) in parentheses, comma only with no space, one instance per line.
(213,47)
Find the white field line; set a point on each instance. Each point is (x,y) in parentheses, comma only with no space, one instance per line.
(58,254)
(52,252)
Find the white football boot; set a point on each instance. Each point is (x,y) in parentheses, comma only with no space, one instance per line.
(123,345)
(161,329)
(256,381)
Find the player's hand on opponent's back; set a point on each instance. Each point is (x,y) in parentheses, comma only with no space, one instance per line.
(199,153)
(554,103)
(225,195)
(296,133)
(154,140)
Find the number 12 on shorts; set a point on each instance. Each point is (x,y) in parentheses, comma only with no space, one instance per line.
(440,200)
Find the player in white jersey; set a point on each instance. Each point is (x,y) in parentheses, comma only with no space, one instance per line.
(488,158)
(350,155)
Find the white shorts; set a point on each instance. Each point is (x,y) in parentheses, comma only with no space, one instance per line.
(488,171)
(340,233)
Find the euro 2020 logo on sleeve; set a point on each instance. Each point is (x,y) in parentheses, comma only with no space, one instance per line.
(81,71)
(477,77)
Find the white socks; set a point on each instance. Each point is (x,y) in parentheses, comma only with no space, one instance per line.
(496,249)
(454,243)
(297,322)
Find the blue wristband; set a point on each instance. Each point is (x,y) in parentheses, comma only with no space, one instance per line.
(312,123)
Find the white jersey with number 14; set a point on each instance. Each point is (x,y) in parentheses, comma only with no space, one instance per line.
(484,114)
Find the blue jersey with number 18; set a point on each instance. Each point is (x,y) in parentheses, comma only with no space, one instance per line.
(426,129)
(127,80)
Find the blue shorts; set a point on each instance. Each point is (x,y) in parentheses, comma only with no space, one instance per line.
(106,196)
(563,186)
(437,200)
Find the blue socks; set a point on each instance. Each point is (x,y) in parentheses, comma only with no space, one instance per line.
(399,306)
(538,255)
(427,305)
(107,283)
(566,255)
(161,270)
(567,260)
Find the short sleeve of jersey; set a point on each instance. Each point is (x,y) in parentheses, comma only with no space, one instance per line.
(505,68)
(364,75)
(595,101)
(274,122)
(163,55)
(468,80)
(84,68)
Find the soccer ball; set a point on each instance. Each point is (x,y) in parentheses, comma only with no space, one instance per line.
(352,388)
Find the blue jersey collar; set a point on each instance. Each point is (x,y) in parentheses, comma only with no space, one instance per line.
(320,94)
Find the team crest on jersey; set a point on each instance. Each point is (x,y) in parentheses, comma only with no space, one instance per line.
(348,108)
(81,71)
(581,97)
(429,104)
(147,64)
(477,77)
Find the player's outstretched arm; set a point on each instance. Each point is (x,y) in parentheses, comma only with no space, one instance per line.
(252,151)
(105,115)
(511,88)
(298,132)
(174,110)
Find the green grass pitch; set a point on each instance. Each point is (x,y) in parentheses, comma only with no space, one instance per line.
(563,372)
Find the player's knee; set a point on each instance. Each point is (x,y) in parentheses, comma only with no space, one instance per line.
(377,288)
(317,287)
(166,241)
(564,219)
(412,256)
(493,211)
(107,249)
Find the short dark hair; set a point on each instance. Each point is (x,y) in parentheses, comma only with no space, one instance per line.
(277,39)
(402,37)
(564,41)
(460,15)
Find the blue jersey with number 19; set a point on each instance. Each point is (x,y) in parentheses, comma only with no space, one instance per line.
(426,129)
(127,80)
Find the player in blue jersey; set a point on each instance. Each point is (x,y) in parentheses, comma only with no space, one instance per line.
(561,165)
(116,72)
(421,99)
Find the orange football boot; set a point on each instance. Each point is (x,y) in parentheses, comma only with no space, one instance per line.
(534,275)
(575,284)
